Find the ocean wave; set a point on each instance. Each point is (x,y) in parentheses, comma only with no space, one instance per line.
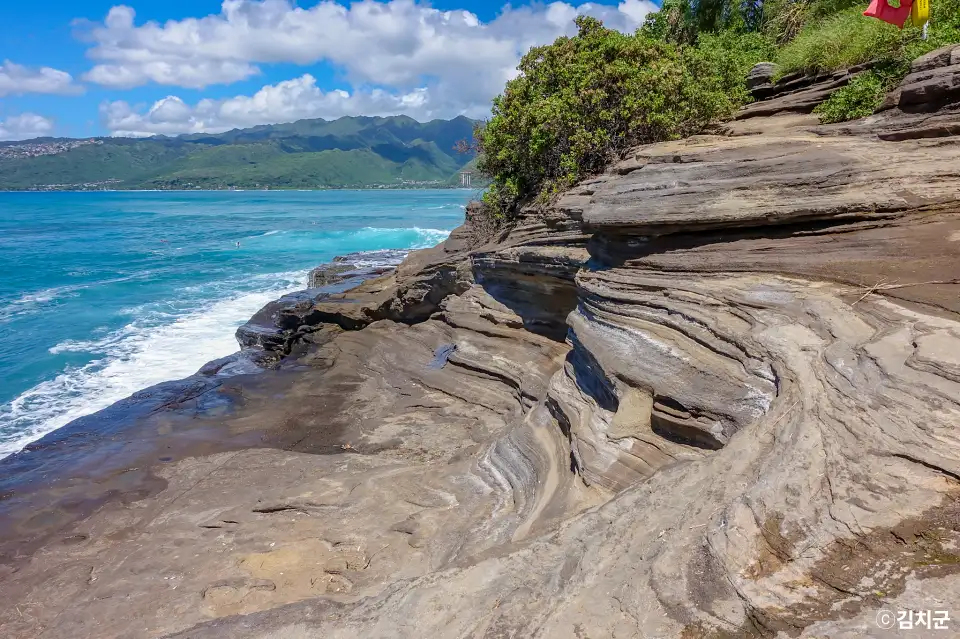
(40,296)
(47,295)
(462,207)
(132,358)
(374,259)
(33,301)
(170,339)
(410,238)
(232,285)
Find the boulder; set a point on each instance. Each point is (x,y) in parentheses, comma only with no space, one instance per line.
(327,274)
(933,81)
(942,57)
(796,94)
(760,78)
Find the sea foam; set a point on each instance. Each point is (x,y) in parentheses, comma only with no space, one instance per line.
(172,338)
(134,357)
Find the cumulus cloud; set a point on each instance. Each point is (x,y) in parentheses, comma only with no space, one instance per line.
(196,75)
(25,126)
(400,46)
(16,79)
(282,102)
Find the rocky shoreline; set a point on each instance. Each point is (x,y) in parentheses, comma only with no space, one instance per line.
(98,446)
(713,392)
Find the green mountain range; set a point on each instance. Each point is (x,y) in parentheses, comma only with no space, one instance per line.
(350,152)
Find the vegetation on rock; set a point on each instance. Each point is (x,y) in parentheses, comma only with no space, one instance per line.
(863,95)
(843,37)
(582,101)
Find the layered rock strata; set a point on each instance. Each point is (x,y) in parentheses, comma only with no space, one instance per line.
(714,392)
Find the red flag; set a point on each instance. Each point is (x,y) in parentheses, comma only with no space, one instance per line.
(894,15)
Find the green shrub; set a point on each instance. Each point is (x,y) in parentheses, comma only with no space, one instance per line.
(581,101)
(858,99)
(864,94)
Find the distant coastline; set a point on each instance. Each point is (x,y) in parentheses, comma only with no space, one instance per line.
(349,153)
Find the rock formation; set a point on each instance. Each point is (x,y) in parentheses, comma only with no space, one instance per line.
(713,392)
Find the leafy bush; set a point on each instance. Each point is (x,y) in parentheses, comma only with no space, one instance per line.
(864,94)
(581,101)
(858,99)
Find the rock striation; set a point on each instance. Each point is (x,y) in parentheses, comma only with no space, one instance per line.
(713,392)
(933,82)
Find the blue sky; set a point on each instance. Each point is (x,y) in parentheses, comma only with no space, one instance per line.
(95,67)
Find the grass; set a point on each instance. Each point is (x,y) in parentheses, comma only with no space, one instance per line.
(848,38)
(838,42)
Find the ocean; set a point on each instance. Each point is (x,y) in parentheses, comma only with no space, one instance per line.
(105,293)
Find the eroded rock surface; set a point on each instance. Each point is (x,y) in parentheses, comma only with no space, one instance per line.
(714,392)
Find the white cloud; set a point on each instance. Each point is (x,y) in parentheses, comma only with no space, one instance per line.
(196,75)
(458,62)
(16,79)
(25,126)
(282,102)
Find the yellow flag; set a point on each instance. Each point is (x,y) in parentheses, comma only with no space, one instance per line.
(920,13)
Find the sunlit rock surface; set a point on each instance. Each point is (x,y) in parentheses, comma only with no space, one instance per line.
(714,392)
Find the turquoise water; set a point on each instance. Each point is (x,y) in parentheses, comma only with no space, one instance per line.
(103,294)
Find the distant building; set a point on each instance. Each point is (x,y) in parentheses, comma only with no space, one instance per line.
(36,149)
(465,177)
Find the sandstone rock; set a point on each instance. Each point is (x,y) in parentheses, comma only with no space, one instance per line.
(760,79)
(790,177)
(890,100)
(942,57)
(746,416)
(327,274)
(794,93)
(710,393)
(933,81)
(272,326)
(933,88)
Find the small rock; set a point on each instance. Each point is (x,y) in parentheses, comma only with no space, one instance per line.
(942,57)
(441,355)
(760,75)
(327,274)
